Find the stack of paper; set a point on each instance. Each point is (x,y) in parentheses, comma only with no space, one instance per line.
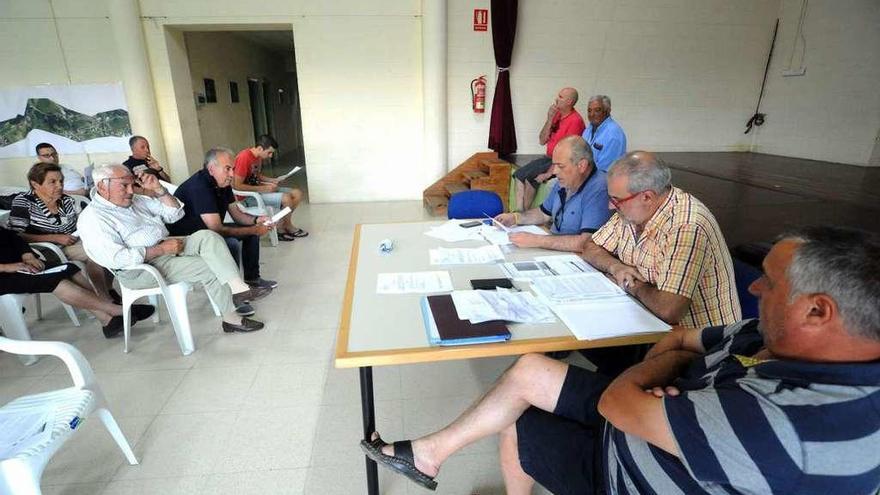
(465,256)
(527,270)
(413,282)
(566,264)
(575,288)
(478,306)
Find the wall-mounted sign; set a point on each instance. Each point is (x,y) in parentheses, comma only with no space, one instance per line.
(481,19)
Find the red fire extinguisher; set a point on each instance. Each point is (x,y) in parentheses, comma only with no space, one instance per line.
(478,94)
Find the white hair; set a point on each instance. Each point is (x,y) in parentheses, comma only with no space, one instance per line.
(106,171)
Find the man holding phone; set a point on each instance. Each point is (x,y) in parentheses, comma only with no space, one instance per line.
(142,161)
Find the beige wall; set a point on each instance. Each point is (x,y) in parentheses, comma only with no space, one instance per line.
(682,75)
(832,112)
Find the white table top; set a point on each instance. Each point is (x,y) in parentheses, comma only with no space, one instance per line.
(381,329)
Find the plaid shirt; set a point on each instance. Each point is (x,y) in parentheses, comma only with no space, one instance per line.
(682,251)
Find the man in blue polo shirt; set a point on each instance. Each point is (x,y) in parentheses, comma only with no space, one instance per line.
(605,136)
(576,206)
(207,196)
(784,404)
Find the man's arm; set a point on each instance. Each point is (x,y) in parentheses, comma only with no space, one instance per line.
(597,256)
(558,242)
(668,306)
(215,223)
(239,184)
(544,134)
(628,405)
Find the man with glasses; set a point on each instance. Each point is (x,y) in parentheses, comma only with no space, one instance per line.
(576,206)
(120,229)
(664,247)
(74,183)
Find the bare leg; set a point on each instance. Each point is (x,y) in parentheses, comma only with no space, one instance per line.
(516,481)
(534,380)
(80,297)
(518,201)
(292,200)
(99,279)
(528,195)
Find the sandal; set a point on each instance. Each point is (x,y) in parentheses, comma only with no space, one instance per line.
(401,462)
(299,233)
(284,236)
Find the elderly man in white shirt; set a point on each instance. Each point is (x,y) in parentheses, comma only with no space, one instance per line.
(120,229)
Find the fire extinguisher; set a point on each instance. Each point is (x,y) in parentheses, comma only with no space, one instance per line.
(478,94)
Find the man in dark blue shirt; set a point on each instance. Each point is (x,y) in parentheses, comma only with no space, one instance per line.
(207,196)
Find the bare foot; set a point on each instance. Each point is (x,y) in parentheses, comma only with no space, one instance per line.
(420,456)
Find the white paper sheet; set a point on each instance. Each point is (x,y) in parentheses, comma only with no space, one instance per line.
(478,306)
(413,282)
(21,428)
(288,174)
(56,269)
(465,256)
(278,216)
(529,229)
(566,264)
(452,231)
(527,270)
(608,318)
(577,287)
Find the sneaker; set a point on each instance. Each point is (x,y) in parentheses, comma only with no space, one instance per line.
(246,325)
(244,309)
(261,283)
(250,295)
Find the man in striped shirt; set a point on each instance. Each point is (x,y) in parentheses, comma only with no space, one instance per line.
(665,248)
(784,404)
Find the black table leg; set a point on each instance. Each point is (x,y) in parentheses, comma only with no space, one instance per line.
(368,411)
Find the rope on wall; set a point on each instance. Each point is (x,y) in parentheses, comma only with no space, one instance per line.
(758,118)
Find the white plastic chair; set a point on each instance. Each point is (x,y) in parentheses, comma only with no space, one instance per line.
(71,312)
(22,468)
(260,209)
(175,301)
(13,323)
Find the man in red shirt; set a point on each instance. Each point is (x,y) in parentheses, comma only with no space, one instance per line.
(248,176)
(562,120)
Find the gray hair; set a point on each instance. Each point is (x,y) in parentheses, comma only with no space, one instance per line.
(214,153)
(106,172)
(844,264)
(646,172)
(580,150)
(604,100)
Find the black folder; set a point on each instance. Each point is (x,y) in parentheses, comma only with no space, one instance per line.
(444,328)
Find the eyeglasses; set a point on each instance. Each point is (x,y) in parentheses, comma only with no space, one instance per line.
(44,155)
(617,202)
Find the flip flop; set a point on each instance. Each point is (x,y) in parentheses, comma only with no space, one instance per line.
(401,462)
(299,233)
(284,236)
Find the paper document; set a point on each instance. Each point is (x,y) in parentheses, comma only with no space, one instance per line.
(57,269)
(478,306)
(413,282)
(288,174)
(566,264)
(452,231)
(529,229)
(527,270)
(574,288)
(21,429)
(465,256)
(498,224)
(278,216)
(615,317)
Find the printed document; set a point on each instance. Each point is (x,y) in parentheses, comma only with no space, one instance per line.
(578,287)
(566,264)
(413,282)
(288,174)
(465,256)
(478,306)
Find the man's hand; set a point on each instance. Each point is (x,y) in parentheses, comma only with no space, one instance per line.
(525,239)
(261,229)
(172,246)
(269,188)
(150,183)
(153,163)
(21,266)
(63,239)
(551,112)
(661,392)
(506,219)
(33,262)
(625,275)
(545,176)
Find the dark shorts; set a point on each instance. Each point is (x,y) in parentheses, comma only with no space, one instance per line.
(562,450)
(534,168)
(612,361)
(20,283)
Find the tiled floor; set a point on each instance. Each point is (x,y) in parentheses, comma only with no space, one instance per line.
(265,413)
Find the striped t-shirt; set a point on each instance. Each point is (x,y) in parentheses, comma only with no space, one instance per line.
(680,250)
(758,427)
(30,215)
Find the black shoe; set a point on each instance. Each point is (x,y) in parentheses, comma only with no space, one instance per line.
(246,325)
(250,295)
(261,282)
(245,309)
(138,312)
(113,327)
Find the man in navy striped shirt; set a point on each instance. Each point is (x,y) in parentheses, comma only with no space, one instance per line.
(789,403)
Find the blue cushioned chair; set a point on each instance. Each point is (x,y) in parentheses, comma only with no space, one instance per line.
(474,204)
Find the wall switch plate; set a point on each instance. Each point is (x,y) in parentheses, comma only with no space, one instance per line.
(794,72)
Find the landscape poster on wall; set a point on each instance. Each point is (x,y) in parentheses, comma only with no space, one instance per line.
(77,118)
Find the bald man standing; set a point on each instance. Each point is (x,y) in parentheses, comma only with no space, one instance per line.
(562,120)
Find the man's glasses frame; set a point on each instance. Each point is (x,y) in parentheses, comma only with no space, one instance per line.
(617,202)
